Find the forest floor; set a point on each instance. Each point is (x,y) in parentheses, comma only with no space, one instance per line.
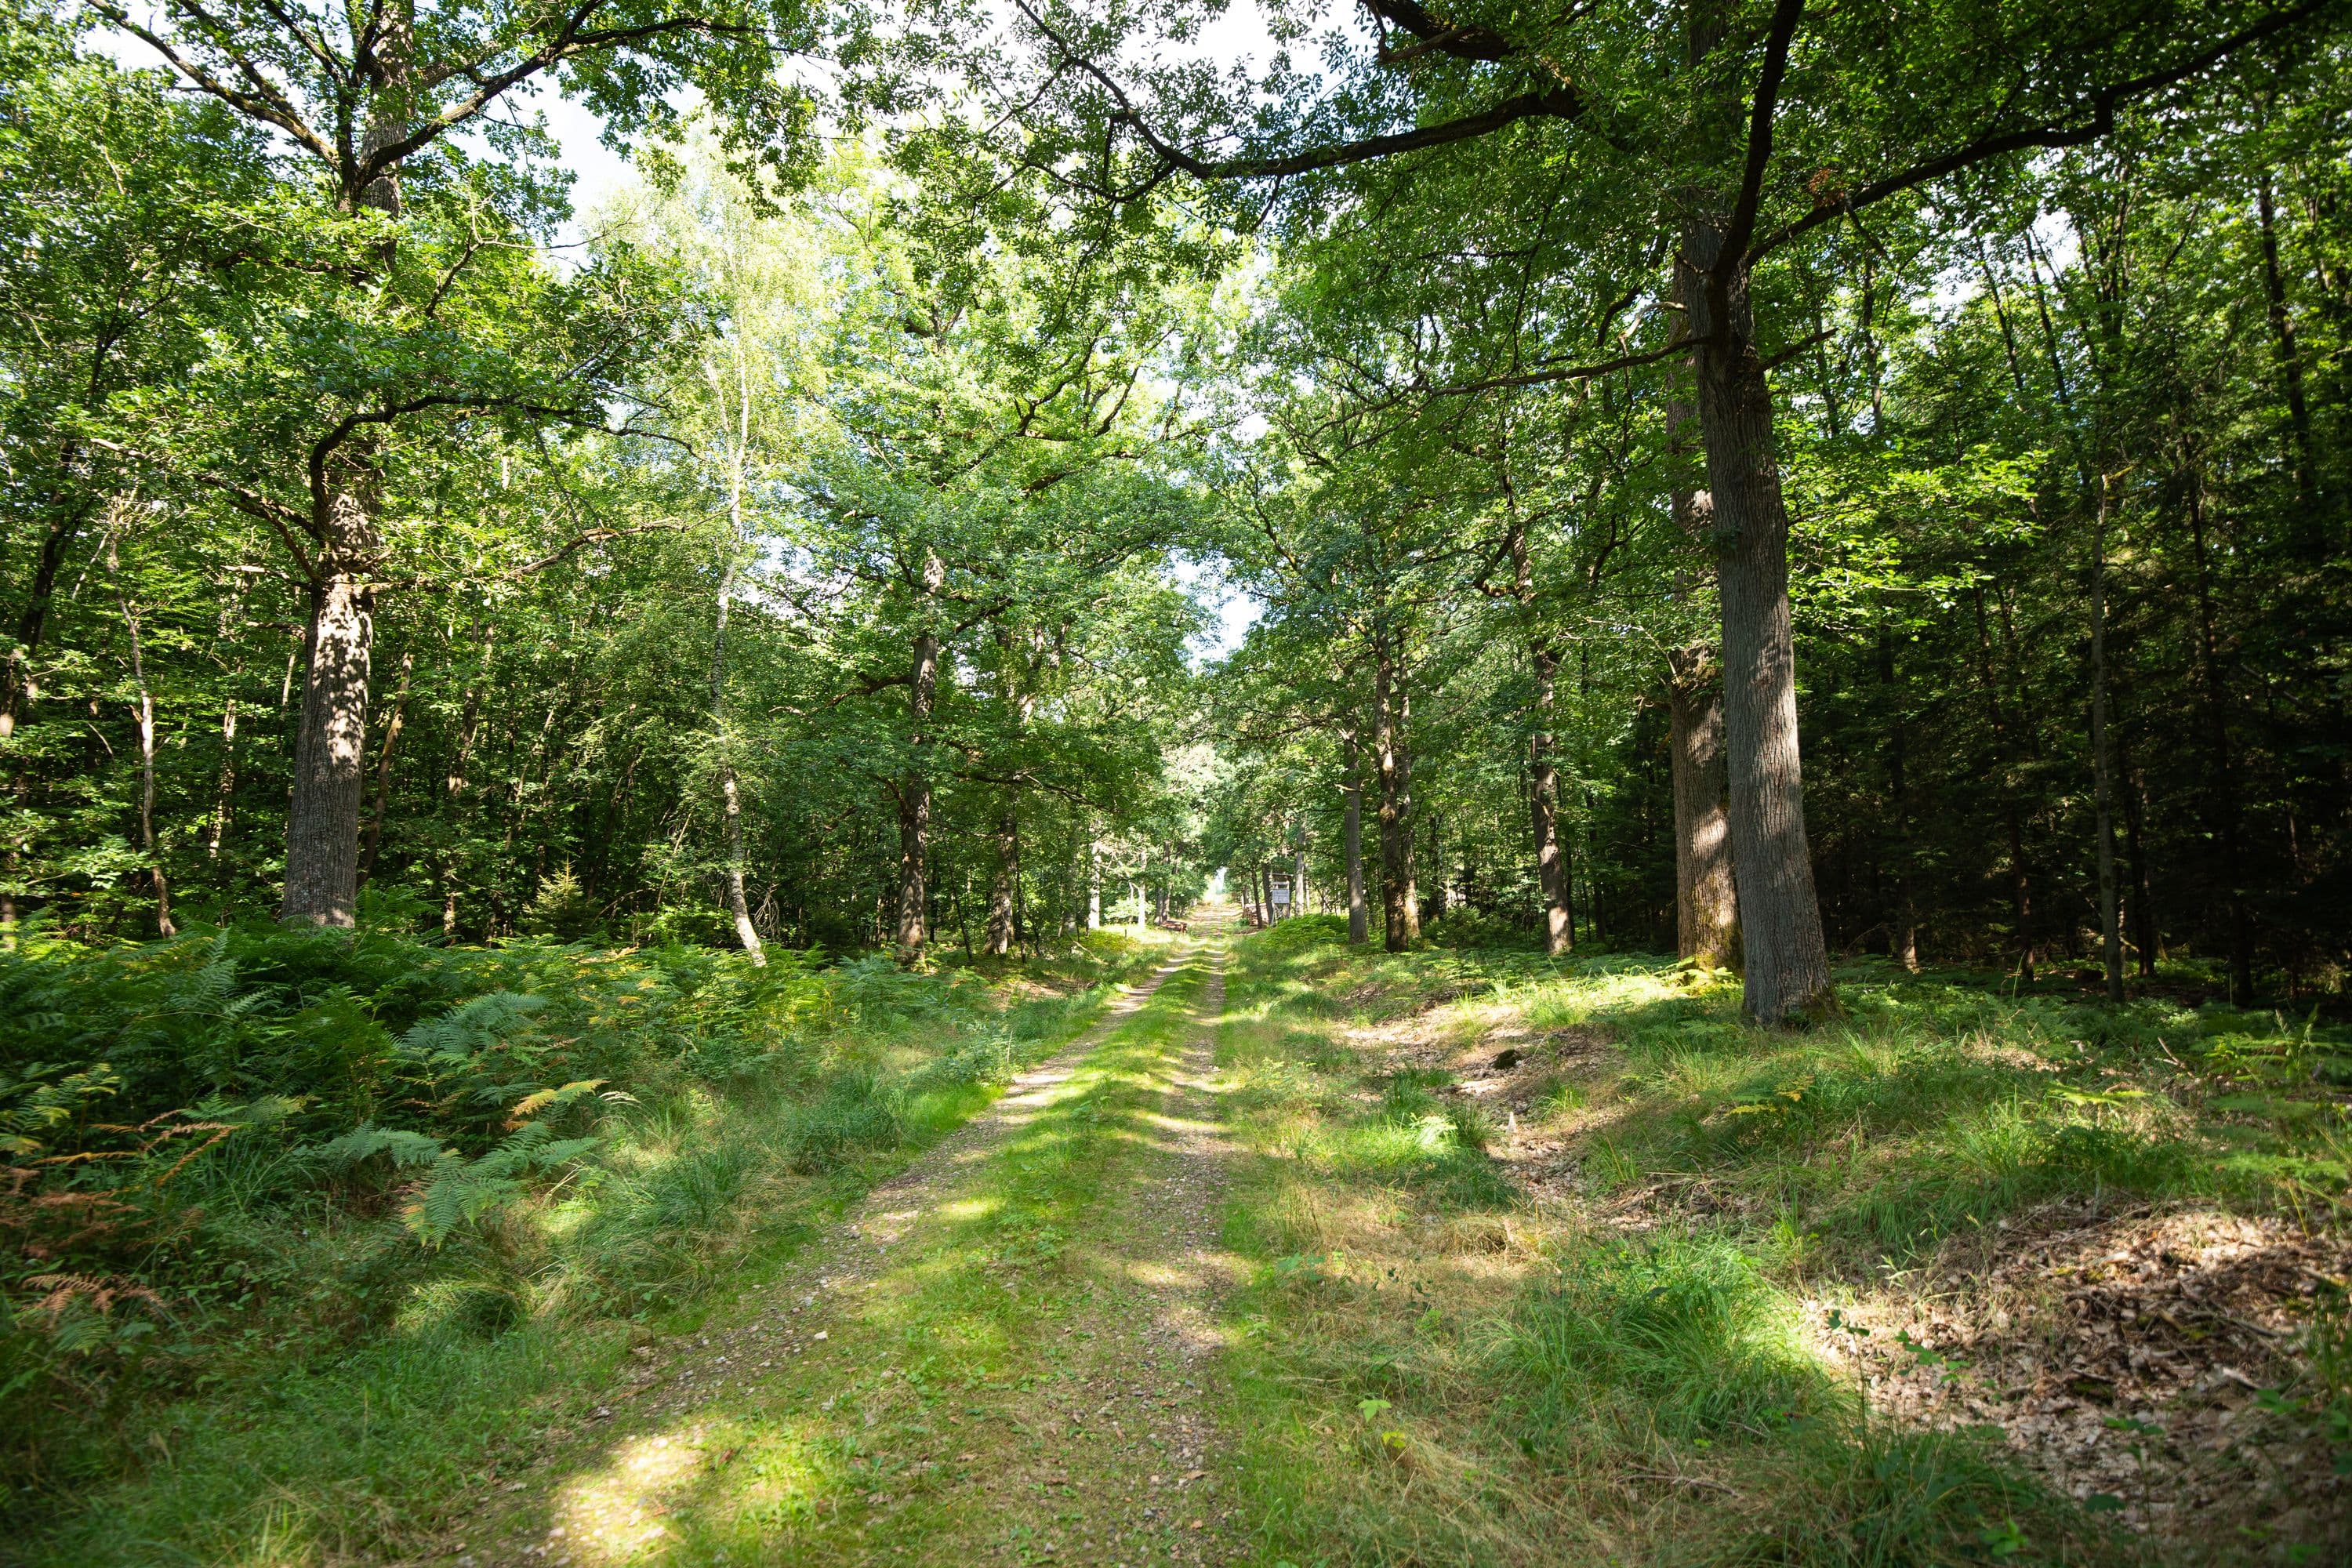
(1304,1254)
(1004,1353)
(1478,1257)
(1556,1261)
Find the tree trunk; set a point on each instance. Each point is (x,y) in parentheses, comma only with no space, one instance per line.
(2312,532)
(2145,934)
(17,685)
(739,454)
(158,883)
(2111,936)
(232,623)
(1707,921)
(1008,877)
(322,821)
(383,768)
(453,782)
(1351,837)
(1392,708)
(224,795)
(1094,884)
(1903,938)
(1785,953)
(1543,806)
(729,792)
(2231,867)
(914,794)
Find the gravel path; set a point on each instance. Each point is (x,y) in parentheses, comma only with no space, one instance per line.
(1100,1449)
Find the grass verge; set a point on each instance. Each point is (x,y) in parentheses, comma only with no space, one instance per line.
(1559,1262)
(320,1378)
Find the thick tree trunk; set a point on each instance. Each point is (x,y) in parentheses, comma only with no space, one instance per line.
(1707,917)
(1543,806)
(322,821)
(383,768)
(1351,837)
(1785,956)
(2111,936)
(1707,921)
(1008,878)
(1392,708)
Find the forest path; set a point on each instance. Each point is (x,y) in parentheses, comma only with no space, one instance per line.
(1002,1355)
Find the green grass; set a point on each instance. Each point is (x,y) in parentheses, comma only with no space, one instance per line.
(321,1381)
(1435,1368)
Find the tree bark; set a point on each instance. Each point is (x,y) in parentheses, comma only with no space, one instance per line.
(1392,708)
(322,821)
(1785,953)
(1351,835)
(1706,920)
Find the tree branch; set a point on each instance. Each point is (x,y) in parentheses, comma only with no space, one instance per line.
(1558,103)
(1785,17)
(2104,101)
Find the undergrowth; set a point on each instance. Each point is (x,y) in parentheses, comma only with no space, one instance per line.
(338,1207)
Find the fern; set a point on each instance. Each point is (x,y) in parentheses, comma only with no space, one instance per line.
(457,1036)
(31,1105)
(461,1190)
(362,1144)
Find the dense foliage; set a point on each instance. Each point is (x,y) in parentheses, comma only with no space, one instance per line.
(492,689)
